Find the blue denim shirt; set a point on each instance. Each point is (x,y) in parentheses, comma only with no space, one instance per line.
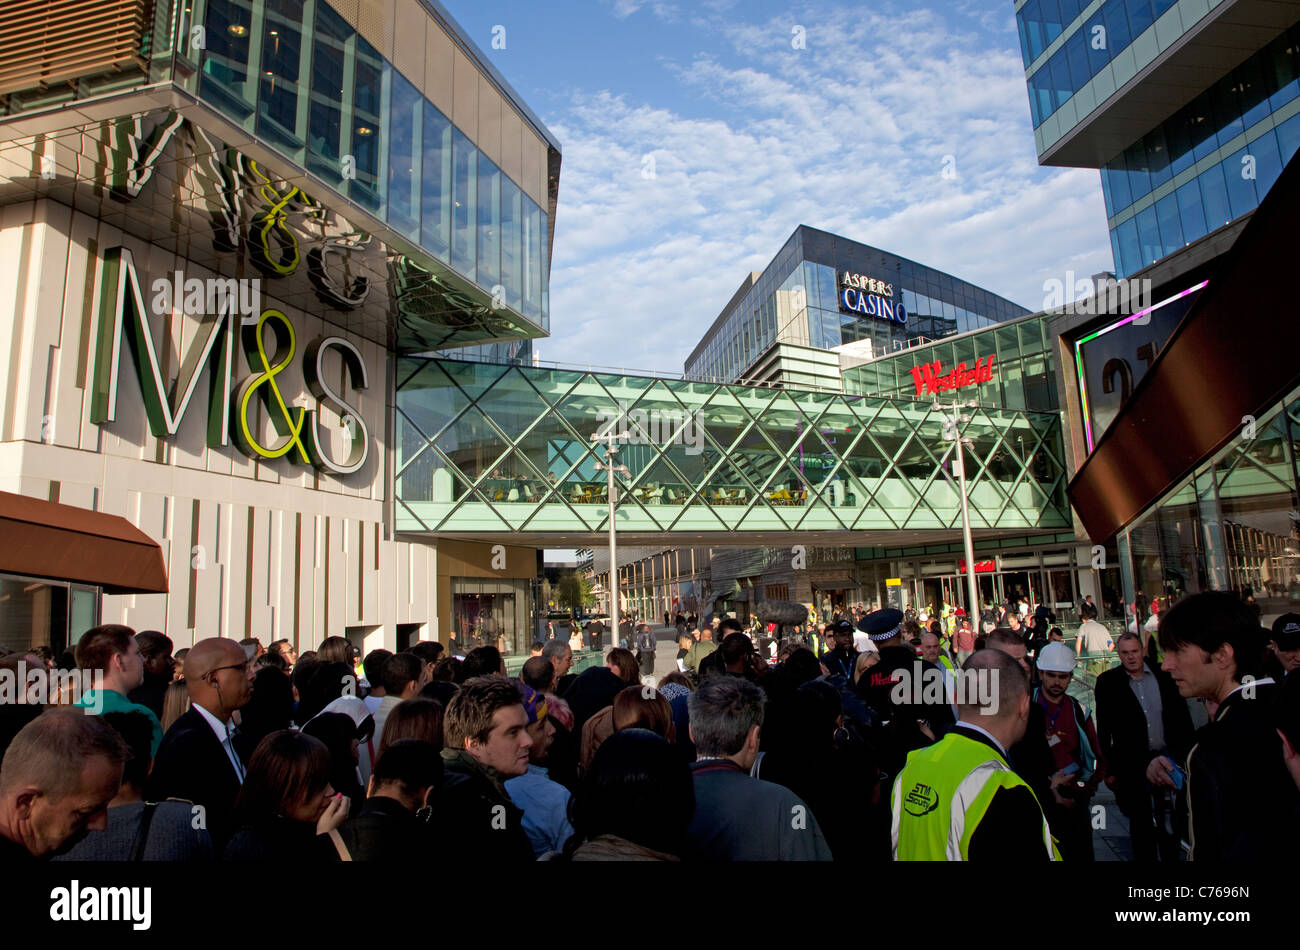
(546,809)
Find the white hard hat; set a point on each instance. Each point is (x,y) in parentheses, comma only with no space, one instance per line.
(1056,658)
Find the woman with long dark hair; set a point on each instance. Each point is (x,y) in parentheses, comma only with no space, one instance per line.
(635,803)
(286,801)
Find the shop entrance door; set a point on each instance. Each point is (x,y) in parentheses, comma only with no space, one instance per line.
(1019,585)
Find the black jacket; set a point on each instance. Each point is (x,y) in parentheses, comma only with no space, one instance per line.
(901,734)
(1122,726)
(477,821)
(1032,758)
(192,765)
(592,691)
(279,840)
(1011,831)
(384,830)
(1239,792)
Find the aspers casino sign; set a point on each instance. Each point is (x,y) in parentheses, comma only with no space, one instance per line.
(228,311)
(871,297)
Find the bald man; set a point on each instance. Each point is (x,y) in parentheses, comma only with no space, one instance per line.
(58,776)
(197,760)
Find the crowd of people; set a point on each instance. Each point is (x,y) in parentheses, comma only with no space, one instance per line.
(241,752)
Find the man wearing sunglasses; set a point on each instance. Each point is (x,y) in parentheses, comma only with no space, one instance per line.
(198,761)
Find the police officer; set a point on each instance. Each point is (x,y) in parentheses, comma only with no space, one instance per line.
(959,800)
(896,689)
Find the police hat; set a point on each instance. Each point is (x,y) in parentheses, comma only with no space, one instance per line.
(843,626)
(882,625)
(1286,632)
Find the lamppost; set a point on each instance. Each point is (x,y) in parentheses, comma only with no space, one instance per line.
(951,433)
(610,466)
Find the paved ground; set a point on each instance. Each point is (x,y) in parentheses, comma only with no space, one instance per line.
(1109,842)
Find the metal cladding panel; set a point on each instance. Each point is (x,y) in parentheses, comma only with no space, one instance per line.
(43,42)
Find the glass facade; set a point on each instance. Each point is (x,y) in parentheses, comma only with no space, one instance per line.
(485,448)
(296,75)
(1023,377)
(1230,526)
(1095,33)
(490,612)
(1210,163)
(798,299)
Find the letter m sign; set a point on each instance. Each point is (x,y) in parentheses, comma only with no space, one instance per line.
(122,315)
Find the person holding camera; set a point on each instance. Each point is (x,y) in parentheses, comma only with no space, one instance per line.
(1076,752)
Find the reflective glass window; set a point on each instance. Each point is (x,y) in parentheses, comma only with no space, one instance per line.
(1031,16)
(1214,198)
(532,238)
(1227,112)
(1190,211)
(367,104)
(1139,16)
(1076,50)
(1200,123)
(1051,20)
(1116,176)
(325,117)
(1288,137)
(1149,235)
(1284,63)
(1098,43)
(1268,162)
(1139,179)
(1117,32)
(1157,157)
(1171,227)
(512,262)
(489,223)
(228,32)
(464,212)
(277,100)
(1061,87)
(1178,139)
(435,182)
(402,200)
(1237,170)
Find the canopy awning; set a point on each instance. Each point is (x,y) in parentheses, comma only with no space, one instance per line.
(61,542)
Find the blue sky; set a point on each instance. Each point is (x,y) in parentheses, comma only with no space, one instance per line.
(748,136)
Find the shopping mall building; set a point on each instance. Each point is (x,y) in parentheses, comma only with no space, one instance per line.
(273,265)
(1176,385)
(222,220)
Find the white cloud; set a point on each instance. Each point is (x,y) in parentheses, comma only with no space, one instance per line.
(849,136)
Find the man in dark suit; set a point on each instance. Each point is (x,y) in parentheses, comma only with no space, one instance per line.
(197,760)
(1140,716)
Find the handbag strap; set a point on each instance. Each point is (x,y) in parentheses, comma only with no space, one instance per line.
(339,846)
(142,833)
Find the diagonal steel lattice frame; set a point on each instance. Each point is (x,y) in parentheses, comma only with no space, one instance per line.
(743,478)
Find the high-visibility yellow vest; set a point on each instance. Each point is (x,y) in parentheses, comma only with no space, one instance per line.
(942,794)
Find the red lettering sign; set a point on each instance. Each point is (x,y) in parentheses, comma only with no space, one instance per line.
(930,378)
(981,567)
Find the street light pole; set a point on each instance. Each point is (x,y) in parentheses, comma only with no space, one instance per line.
(610,441)
(952,433)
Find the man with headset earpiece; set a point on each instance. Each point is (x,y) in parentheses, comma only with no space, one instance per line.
(197,760)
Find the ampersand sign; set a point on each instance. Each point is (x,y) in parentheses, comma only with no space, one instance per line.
(288,423)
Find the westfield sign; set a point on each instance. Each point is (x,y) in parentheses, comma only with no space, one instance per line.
(930,377)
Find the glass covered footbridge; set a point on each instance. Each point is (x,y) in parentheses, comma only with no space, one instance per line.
(504,451)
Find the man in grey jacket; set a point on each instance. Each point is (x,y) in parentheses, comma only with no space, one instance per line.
(737,817)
